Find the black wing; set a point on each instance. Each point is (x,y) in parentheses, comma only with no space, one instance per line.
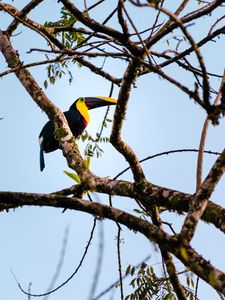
(46,137)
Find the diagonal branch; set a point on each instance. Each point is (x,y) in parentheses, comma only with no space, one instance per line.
(169,22)
(203,137)
(120,112)
(41,30)
(121,18)
(201,197)
(206,10)
(179,23)
(92,24)
(28,8)
(168,259)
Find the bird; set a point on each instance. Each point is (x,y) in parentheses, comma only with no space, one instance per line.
(77,117)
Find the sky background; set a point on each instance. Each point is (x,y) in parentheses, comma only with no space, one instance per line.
(159,118)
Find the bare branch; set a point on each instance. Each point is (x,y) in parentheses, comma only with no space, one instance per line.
(150,195)
(203,138)
(186,52)
(207,9)
(95,26)
(201,197)
(26,10)
(41,30)
(121,18)
(120,112)
(201,153)
(179,23)
(119,260)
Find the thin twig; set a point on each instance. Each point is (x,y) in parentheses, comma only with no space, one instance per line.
(206,86)
(203,138)
(166,153)
(70,277)
(106,114)
(119,260)
(108,289)
(196,288)
(60,262)
(139,36)
(99,261)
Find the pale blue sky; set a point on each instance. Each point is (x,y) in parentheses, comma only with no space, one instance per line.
(159,118)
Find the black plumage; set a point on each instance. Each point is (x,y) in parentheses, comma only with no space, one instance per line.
(77,117)
(48,143)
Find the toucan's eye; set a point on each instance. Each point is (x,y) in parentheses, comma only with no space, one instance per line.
(82,99)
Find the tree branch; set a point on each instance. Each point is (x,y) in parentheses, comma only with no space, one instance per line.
(179,248)
(201,197)
(120,112)
(149,195)
(28,8)
(92,24)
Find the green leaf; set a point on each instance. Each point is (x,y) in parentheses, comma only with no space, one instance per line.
(52,80)
(87,162)
(188,281)
(45,84)
(139,281)
(132,271)
(128,270)
(148,272)
(141,272)
(133,282)
(73,176)
(143,265)
(169,297)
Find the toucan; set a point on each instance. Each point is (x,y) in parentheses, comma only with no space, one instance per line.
(77,117)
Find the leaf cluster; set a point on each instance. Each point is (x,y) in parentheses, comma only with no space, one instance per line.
(69,38)
(92,148)
(148,286)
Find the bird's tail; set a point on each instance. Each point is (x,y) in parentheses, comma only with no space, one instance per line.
(42,160)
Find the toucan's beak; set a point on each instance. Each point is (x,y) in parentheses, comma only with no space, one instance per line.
(94,102)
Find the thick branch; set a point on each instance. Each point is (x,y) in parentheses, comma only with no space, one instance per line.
(29,7)
(201,197)
(187,255)
(120,112)
(149,194)
(168,259)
